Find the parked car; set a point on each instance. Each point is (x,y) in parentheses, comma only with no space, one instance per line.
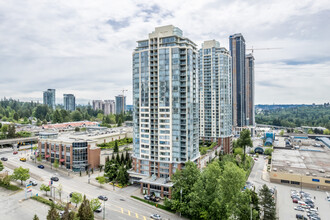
(299,208)
(55,178)
(23,159)
(41,166)
(156,216)
(146,197)
(98,210)
(4,158)
(299,216)
(104,198)
(295,200)
(15,152)
(33,182)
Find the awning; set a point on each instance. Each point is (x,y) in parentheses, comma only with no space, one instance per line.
(47,155)
(62,160)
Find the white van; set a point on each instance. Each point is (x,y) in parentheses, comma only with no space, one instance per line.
(301,203)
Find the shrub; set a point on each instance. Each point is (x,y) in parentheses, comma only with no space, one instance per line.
(47,202)
(9,186)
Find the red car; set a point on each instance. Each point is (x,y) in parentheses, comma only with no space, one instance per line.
(295,200)
(15,152)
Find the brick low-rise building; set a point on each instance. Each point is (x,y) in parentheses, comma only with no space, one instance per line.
(72,153)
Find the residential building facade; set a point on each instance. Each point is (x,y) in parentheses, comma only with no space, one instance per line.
(215,98)
(97,105)
(249,66)
(237,51)
(165,103)
(120,104)
(109,107)
(69,102)
(49,98)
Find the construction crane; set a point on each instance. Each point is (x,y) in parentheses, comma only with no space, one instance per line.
(273,48)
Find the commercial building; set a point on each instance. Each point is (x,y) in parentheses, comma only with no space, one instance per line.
(69,102)
(74,152)
(215,87)
(306,167)
(120,104)
(165,100)
(249,67)
(109,107)
(49,98)
(237,51)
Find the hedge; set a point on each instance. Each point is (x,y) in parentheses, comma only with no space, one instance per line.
(10,187)
(120,142)
(154,204)
(47,202)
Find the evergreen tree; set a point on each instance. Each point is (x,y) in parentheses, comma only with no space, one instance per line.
(127,156)
(117,158)
(116,149)
(122,159)
(267,203)
(52,213)
(11,131)
(85,212)
(113,156)
(123,176)
(107,159)
(244,140)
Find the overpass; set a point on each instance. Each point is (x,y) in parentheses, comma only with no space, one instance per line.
(18,140)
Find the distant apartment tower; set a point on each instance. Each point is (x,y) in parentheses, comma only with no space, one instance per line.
(109,107)
(249,66)
(215,97)
(120,104)
(69,102)
(165,103)
(49,98)
(97,105)
(237,51)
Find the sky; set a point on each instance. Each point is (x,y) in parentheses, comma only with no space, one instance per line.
(85,47)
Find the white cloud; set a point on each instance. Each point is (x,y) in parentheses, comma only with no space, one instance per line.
(85,47)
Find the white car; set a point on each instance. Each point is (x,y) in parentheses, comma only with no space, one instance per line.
(155,216)
(33,182)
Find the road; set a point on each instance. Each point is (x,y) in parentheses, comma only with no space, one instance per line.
(119,206)
(285,207)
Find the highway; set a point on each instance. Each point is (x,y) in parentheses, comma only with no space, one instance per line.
(119,206)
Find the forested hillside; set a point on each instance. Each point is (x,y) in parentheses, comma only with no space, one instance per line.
(314,116)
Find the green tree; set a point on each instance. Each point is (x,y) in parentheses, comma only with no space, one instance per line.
(57,117)
(238,150)
(45,188)
(15,116)
(116,149)
(281,132)
(310,131)
(123,176)
(183,181)
(11,131)
(268,151)
(52,213)
(21,174)
(76,116)
(56,164)
(205,193)
(111,170)
(231,182)
(267,203)
(35,217)
(67,215)
(95,204)
(4,128)
(120,121)
(244,140)
(76,129)
(85,212)
(101,180)
(1,166)
(326,132)
(76,198)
